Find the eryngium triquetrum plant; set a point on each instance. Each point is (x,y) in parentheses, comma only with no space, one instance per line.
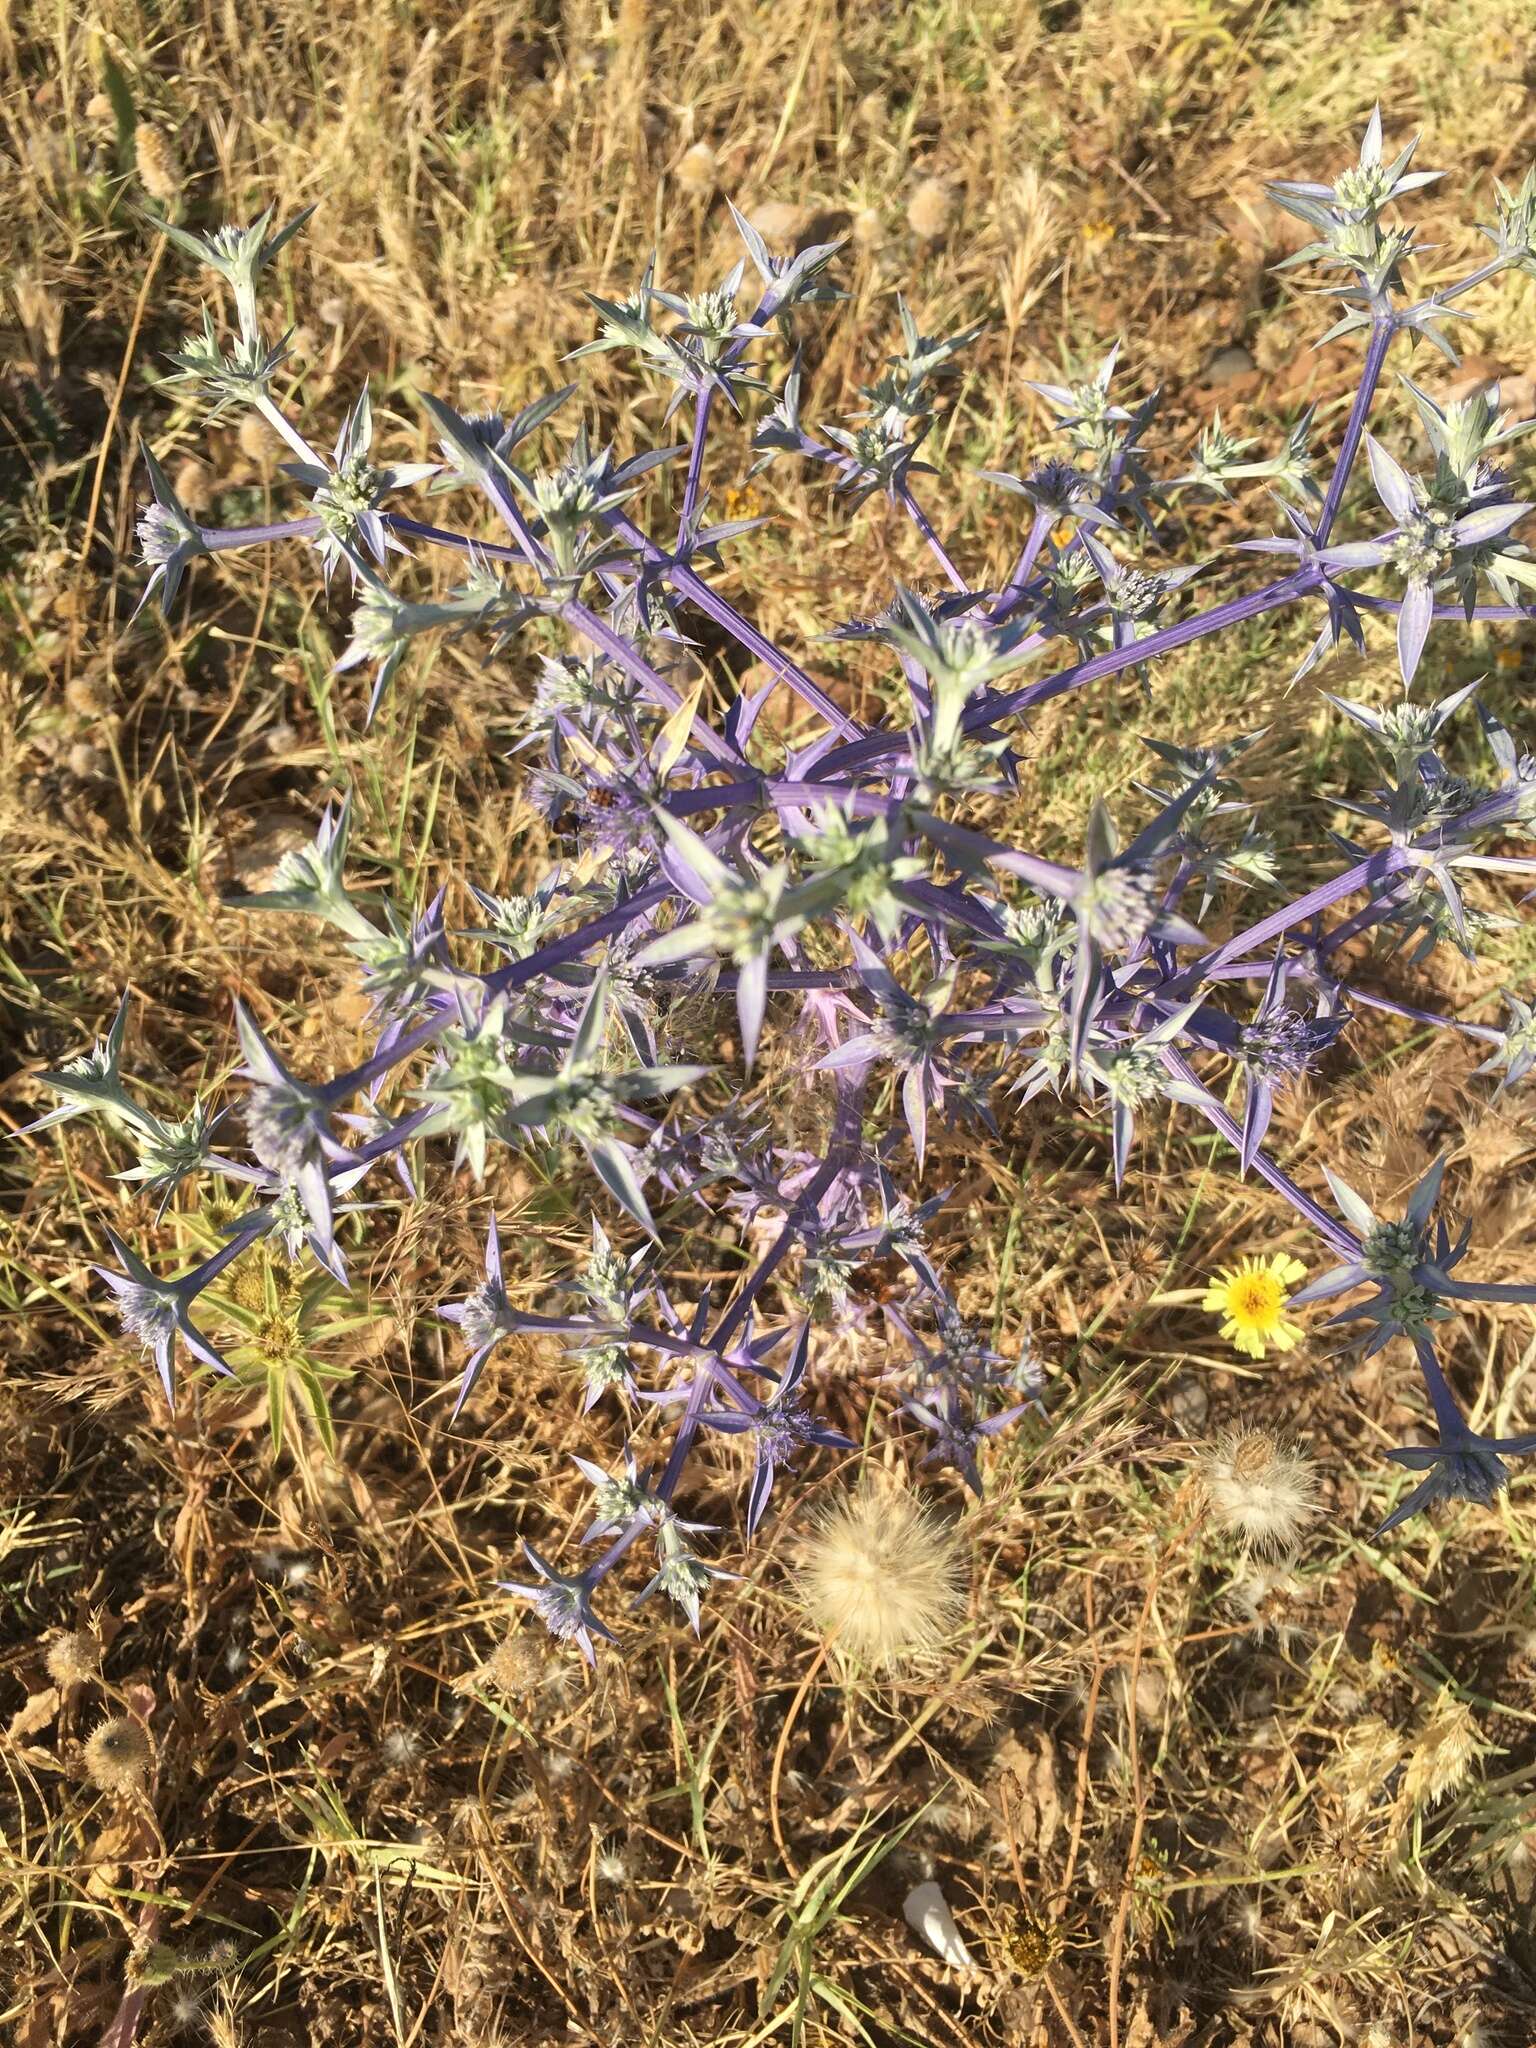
(849,891)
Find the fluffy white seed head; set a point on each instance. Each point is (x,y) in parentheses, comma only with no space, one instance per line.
(881,1577)
(400,1748)
(1259,1490)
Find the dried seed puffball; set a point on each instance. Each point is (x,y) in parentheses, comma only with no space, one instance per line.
(698,169)
(117,1756)
(931,209)
(257,440)
(776,220)
(881,1577)
(1259,1490)
(193,483)
(73,1659)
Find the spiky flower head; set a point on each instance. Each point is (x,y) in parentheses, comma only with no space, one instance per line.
(169,538)
(157,1311)
(1514,233)
(239,255)
(563,1602)
(1515,1052)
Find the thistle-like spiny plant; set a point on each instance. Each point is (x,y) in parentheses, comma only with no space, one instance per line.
(848,893)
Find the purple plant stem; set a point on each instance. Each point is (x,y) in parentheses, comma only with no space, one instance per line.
(1467,284)
(622,1542)
(554,953)
(1014,591)
(701,411)
(620,652)
(219,539)
(1449,1419)
(842,1146)
(1354,428)
(924,526)
(1378,867)
(216,539)
(1342,1241)
(692,586)
(226,1255)
(440,536)
(1484,1031)
(577,615)
(1369,914)
(1273,597)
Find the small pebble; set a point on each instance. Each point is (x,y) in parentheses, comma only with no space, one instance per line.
(1228,364)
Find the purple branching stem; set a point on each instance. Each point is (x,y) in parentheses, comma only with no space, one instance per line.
(1366,874)
(1342,1240)
(687,1429)
(1114,661)
(925,527)
(701,412)
(416,529)
(220,539)
(591,1037)
(1354,428)
(1380,906)
(216,539)
(554,953)
(1013,594)
(690,585)
(226,1255)
(840,1150)
(1183,633)
(1467,284)
(656,686)
(1484,1031)
(632,1529)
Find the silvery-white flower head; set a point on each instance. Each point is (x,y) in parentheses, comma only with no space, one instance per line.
(239,255)
(348,494)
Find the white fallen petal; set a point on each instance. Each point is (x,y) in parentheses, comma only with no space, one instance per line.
(927,1913)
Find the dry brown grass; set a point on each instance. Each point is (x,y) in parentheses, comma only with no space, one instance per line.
(1173,1796)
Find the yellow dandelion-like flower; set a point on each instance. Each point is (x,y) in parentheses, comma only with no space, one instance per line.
(1252,1298)
(1099,233)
